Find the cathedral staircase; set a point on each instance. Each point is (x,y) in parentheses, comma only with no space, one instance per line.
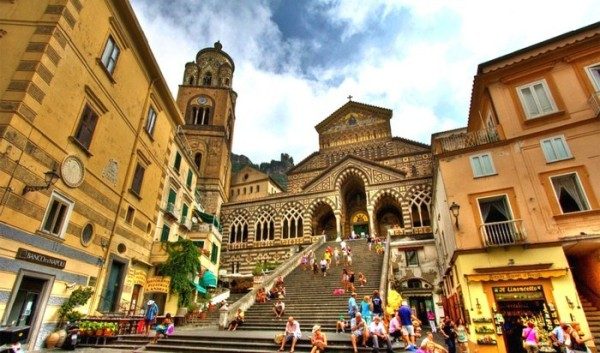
(309,300)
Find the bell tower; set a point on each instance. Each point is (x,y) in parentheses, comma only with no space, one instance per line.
(207,101)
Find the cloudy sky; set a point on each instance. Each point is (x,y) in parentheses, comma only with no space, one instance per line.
(296,61)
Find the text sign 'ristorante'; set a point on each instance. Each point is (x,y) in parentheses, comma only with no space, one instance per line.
(40,259)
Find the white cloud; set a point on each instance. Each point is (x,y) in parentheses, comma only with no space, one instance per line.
(424,74)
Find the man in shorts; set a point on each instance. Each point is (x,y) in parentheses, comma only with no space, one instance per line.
(359,332)
(406,320)
(292,334)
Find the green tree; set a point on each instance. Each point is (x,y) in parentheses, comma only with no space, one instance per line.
(182,265)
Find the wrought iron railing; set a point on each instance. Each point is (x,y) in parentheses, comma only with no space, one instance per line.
(503,233)
(464,140)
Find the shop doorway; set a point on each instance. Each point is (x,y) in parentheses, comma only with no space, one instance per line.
(517,305)
(361,229)
(112,289)
(421,305)
(27,302)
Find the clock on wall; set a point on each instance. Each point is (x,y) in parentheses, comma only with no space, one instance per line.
(72,171)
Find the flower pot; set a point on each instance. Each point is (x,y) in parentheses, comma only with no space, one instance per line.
(52,340)
(99,332)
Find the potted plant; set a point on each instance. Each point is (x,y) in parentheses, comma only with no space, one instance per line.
(66,312)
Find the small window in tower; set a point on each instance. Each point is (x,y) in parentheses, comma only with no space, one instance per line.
(227,82)
(191,81)
(207,80)
(198,160)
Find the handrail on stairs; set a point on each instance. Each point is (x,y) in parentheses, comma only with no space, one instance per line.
(383,281)
(245,302)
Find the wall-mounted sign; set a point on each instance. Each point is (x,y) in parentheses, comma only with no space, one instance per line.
(135,277)
(158,284)
(519,293)
(40,259)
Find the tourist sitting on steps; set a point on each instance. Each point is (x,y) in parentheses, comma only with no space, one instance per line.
(292,334)
(166,328)
(341,324)
(237,321)
(261,295)
(362,279)
(359,332)
(318,340)
(278,309)
(379,336)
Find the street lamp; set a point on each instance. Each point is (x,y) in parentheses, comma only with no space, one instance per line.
(455,209)
(50,177)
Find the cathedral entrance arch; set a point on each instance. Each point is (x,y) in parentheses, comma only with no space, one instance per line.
(388,215)
(354,205)
(323,221)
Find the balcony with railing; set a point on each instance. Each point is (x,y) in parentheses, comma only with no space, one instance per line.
(186,223)
(503,233)
(171,212)
(203,230)
(462,139)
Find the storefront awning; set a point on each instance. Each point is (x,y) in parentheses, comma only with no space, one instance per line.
(199,288)
(209,280)
(511,276)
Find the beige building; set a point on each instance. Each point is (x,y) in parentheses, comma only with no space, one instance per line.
(515,208)
(249,183)
(362,180)
(83,104)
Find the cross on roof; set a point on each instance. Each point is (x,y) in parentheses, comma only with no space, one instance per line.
(349,97)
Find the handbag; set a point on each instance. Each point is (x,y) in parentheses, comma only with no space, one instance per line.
(279,337)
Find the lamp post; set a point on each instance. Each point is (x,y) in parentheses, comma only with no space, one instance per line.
(455,209)
(50,177)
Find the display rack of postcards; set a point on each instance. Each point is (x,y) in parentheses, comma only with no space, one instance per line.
(484,328)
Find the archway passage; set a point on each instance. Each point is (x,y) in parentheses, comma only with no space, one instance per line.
(323,221)
(354,206)
(388,215)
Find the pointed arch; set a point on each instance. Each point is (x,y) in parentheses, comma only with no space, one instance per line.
(292,220)
(420,206)
(264,220)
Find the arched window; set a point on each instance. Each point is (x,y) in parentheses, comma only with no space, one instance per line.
(198,160)
(238,232)
(265,227)
(191,80)
(207,79)
(292,224)
(419,209)
(199,111)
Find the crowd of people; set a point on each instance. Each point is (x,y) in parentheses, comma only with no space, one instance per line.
(368,325)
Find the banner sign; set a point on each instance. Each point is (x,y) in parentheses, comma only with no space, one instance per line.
(158,284)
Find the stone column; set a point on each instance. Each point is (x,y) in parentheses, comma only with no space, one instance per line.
(371,221)
(338,222)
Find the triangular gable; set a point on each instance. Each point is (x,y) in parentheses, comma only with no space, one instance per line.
(253,175)
(374,172)
(360,112)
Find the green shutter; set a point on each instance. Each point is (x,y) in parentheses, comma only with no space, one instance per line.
(164,236)
(214,254)
(177,162)
(184,212)
(172,196)
(189,179)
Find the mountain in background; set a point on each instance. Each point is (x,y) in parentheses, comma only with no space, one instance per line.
(275,169)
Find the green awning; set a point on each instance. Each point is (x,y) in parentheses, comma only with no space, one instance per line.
(199,288)
(208,218)
(209,280)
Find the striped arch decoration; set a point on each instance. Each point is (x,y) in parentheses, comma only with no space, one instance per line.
(352,170)
(292,220)
(310,210)
(386,192)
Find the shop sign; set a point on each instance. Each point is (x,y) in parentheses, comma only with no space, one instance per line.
(136,277)
(518,289)
(40,259)
(158,284)
(511,293)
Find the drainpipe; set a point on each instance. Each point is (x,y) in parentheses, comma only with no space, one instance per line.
(104,266)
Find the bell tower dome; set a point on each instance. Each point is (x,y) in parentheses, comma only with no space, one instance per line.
(206,99)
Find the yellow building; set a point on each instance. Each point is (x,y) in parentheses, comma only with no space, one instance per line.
(249,183)
(516,193)
(82,102)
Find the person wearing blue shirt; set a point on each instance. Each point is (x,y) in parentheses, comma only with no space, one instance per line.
(406,320)
(150,315)
(352,307)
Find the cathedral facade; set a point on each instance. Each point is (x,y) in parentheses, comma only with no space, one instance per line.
(361,180)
